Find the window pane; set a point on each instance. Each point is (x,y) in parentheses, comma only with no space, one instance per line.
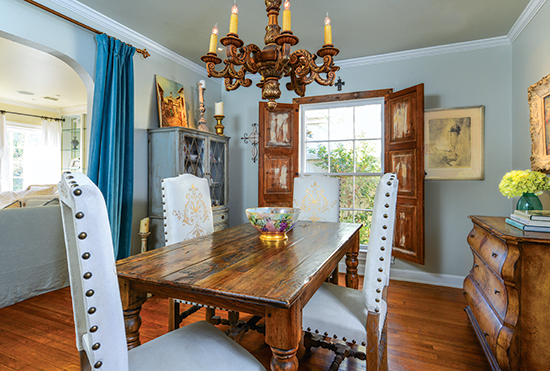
(316,124)
(18,139)
(341,123)
(369,156)
(317,157)
(364,217)
(347,192)
(17,184)
(368,120)
(17,153)
(365,187)
(17,169)
(341,157)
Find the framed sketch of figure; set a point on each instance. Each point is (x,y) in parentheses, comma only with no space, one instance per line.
(171,103)
(453,143)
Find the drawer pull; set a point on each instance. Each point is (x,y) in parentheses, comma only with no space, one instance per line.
(472,236)
(497,292)
(223,217)
(485,333)
(476,266)
(494,254)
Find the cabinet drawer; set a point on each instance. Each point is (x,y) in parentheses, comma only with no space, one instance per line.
(490,248)
(487,319)
(493,288)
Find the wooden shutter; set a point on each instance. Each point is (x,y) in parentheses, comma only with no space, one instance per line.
(278,154)
(404,155)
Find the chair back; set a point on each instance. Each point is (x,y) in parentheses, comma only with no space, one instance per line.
(187,208)
(97,306)
(377,266)
(318,197)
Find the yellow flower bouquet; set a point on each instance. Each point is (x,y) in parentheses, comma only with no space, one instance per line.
(517,182)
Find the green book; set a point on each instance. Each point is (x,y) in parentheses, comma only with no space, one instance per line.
(527,228)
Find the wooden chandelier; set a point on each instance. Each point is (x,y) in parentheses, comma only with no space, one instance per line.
(274,61)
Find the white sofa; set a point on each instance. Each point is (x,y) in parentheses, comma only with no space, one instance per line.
(32,250)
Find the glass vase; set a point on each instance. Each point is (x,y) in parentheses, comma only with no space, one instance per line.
(529,201)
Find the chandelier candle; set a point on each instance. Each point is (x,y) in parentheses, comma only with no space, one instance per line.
(234,20)
(287,23)
(213,39)
(328,31)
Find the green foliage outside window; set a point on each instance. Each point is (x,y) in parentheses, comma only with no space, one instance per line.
(356,192)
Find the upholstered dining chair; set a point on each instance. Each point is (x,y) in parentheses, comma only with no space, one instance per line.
(336,312)
(97,306)
(318,197)
(187,212)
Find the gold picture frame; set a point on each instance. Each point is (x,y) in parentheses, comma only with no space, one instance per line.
(454,143)
(538,96)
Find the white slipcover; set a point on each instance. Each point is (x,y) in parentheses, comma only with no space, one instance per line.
(318,197)
(97,305)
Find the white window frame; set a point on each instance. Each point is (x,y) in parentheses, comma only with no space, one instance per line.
(20,127)
(304,141)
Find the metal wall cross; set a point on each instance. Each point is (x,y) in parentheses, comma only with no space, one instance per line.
(339,83)
(254,138)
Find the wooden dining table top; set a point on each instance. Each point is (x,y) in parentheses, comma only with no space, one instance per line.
(236,265)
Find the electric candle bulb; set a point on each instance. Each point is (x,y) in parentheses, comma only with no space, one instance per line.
(213,39)
(328,31)
(234,20)
(287,23)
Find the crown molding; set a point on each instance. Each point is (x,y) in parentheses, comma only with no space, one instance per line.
(528,13)
(425,52)
(129,34)
(28,105)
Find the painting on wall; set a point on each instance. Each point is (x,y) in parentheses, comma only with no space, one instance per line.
(171,103)
(453,143)
(538,96)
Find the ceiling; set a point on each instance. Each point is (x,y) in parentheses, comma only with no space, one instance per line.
(361,28)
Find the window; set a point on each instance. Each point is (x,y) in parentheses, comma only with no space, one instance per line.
(23,143)
(345,140)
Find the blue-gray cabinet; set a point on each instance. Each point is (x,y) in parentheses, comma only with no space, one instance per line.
(177,150)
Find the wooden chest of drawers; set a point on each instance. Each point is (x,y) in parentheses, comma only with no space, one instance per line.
(508,294)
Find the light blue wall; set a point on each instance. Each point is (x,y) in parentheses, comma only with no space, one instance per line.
(473,78)
(32,26)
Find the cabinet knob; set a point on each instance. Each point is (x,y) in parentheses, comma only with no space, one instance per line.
(472,236)
(497,292)
(485,333)
(476,266)
(494,254)
(223,217)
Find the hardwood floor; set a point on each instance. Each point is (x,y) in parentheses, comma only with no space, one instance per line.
(427,331)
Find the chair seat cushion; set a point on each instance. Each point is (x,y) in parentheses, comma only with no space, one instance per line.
(339,311)
(198,346)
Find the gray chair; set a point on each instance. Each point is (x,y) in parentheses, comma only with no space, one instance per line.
(348,317)
(97,307)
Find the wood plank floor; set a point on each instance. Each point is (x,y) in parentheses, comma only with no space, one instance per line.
(427,331)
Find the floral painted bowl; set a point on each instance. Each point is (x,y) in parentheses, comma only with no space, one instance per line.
(273,222)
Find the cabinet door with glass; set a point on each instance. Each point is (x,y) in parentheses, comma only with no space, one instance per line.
(176,150)
(73,143)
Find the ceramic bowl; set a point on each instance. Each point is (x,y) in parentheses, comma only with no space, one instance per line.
(273,222)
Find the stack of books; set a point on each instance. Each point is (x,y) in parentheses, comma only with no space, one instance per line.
(530,220)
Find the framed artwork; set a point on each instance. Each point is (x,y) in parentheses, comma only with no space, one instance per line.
(453,143)
(171,103)
(538,96)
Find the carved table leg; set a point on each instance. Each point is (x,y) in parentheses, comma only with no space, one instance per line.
(352,279)
(131,304)
(283,334)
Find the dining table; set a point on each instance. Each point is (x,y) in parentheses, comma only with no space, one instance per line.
(236,270)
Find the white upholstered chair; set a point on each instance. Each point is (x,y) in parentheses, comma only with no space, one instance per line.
(97,307)
(318,197)
(358,317)
(187,211)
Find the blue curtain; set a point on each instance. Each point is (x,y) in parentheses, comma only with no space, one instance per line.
(111,154)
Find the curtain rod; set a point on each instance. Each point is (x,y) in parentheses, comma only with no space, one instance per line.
(143,52)
(28,114)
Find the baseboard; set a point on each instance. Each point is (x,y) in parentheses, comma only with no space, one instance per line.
(436,279)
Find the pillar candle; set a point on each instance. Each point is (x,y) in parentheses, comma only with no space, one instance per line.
(328,31)
(144,225)
(203,84)
(213,39)
(287,22)
(218,108)
(234,20)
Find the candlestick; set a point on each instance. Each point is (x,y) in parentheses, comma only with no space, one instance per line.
(328,31)
(287,22)
(218,108)
(234,20)
(219,127)
(213,39)
(201,85)
(144,225)
(144,240)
